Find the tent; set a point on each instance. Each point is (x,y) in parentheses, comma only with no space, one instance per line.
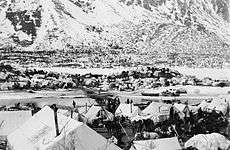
(218,104)
(11,120)
(182,109)
(95,111)
(157,108)
(157,144)
(157,111)
(203,105)
(143,117)
(79,109)
(76,116)
(212,141)
(39,132)
(127,110)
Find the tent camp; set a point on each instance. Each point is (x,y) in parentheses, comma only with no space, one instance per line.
(212,141)
(11,120)
(157,144)
(97,111)
(39,132)
(157,111)
(127,110)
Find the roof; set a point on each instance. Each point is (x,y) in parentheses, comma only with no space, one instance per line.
(11,120)
(143,117)
(39,133)
(93,111)
(155,111)
(203,104)
(157,108)
(181,107)
(218,104)
(79,109)
(157,144)
(75,115)
(127,110)
(208,141)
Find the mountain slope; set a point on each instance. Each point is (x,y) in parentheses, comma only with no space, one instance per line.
(151,28)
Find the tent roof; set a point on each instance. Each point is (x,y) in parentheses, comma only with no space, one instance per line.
(181,107)
(75,116)
(158,144)
(208,141)
(39,133)
(127,110)
(157,108)
(203,104)
(11,120)
(141,117)
(93,111)
(218,104)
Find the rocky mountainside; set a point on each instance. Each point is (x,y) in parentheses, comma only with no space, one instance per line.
(180,31)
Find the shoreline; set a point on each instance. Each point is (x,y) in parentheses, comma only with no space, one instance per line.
(214,73)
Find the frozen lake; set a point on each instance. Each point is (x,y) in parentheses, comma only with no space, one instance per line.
(42,98)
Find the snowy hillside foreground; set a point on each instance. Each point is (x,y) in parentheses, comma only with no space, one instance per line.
(159,28)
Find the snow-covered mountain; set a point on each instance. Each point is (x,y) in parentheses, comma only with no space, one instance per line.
(138,26)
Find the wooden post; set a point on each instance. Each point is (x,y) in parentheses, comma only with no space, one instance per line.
(56,119)
(86,107)
(76,109)
(131,109)
(71,113)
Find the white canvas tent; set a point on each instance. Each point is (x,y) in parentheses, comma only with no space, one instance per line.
(157,144)
(218,104)
(157,108)
(209,142)
(142,117)
(11,120)
(39,133)
(93,113)
(183,109)
(76,116)
(157,111)
(79,109)
(127,110)
(203,105)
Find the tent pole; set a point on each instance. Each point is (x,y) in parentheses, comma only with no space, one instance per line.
(131,109)
(86,107)
(56,119)
(71,113)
